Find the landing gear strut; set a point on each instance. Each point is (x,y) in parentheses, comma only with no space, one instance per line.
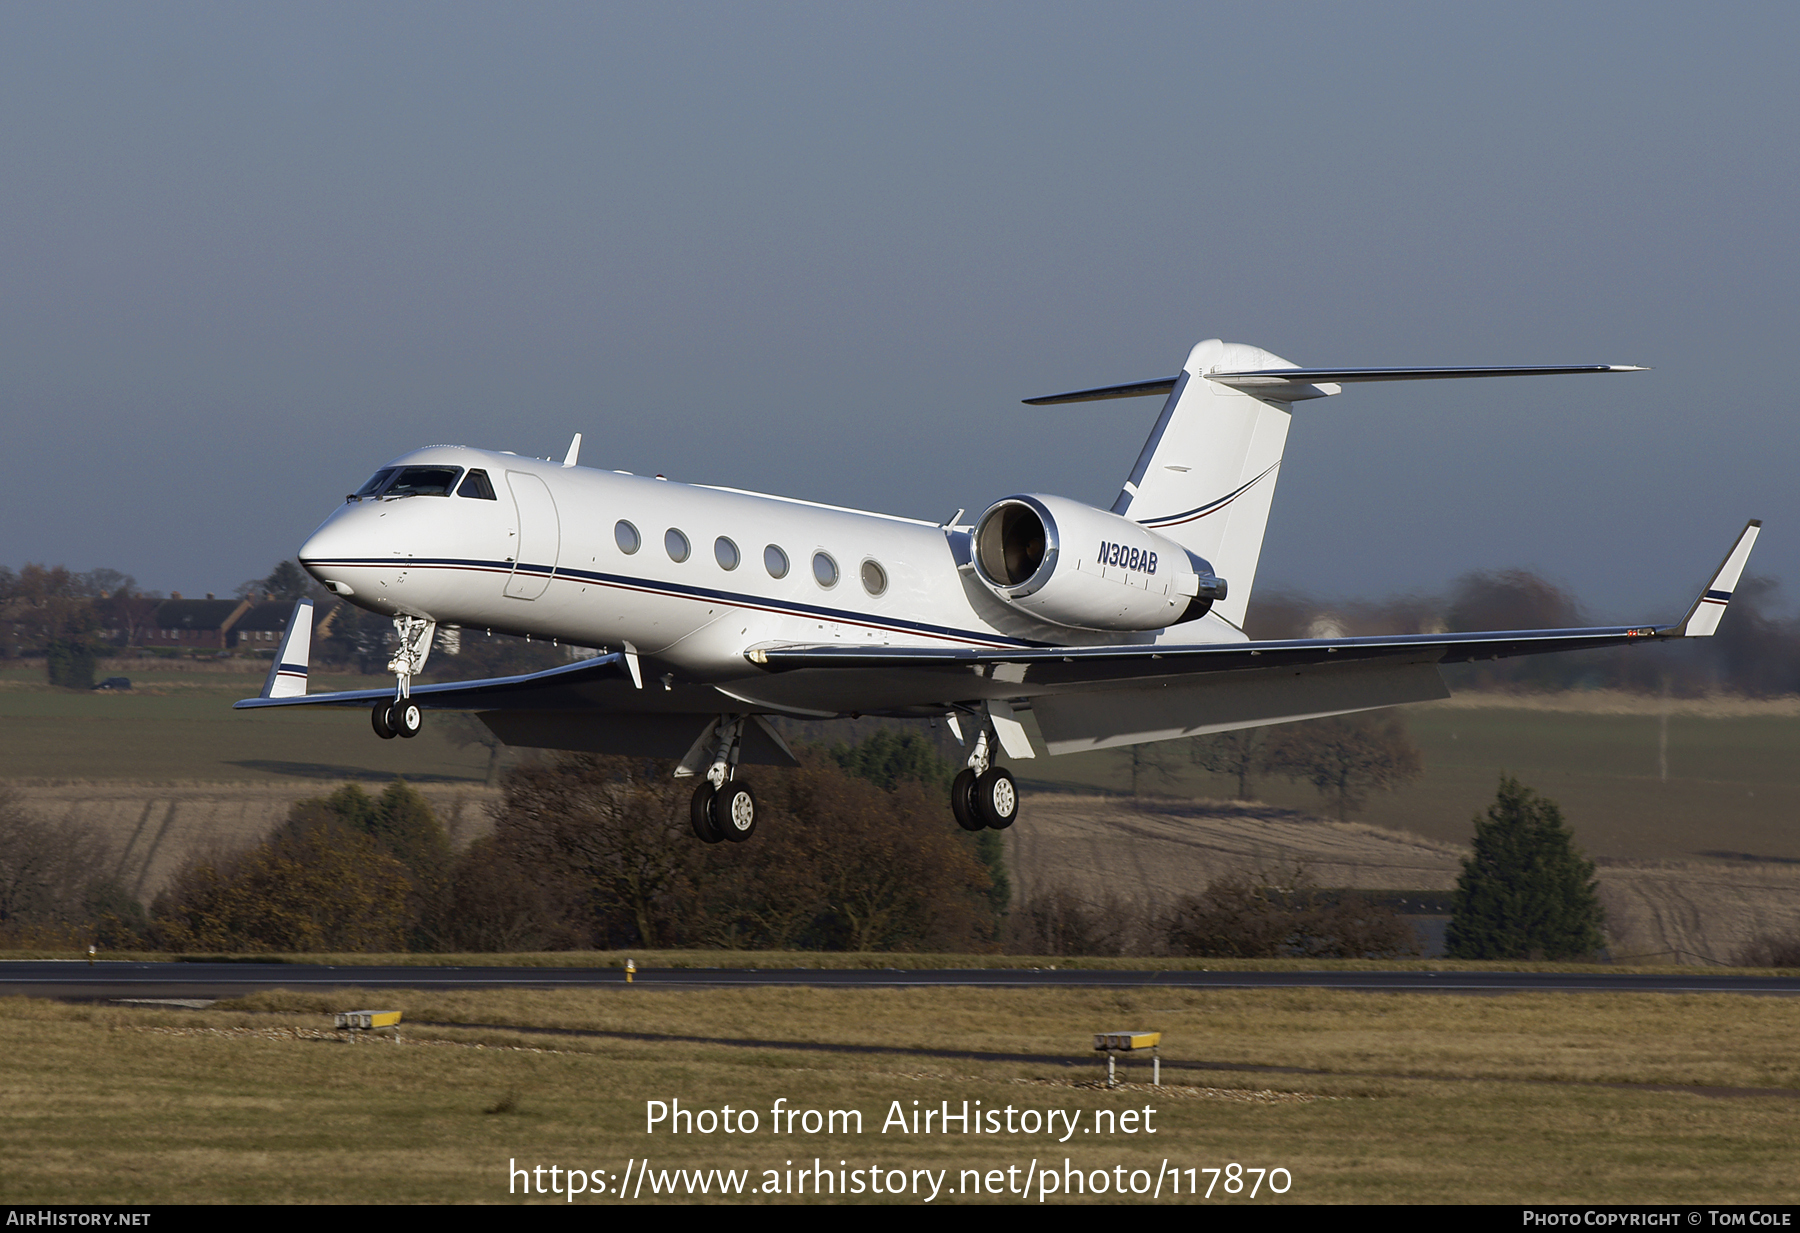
(724,808)
(402,716)
(984,796)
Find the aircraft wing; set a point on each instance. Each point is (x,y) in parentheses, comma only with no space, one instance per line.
(1098,665)
(1087,698)
(551,688)
(1130,662)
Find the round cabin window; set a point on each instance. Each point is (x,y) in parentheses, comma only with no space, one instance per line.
(874,578)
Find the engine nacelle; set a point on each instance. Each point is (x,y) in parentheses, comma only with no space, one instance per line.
(1075,565)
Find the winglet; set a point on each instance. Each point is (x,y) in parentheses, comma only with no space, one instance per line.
(1703,618)
(287,675)
(574,451)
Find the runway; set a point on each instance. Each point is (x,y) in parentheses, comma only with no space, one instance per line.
(107,981)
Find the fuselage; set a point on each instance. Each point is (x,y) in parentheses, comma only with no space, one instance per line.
(693,576)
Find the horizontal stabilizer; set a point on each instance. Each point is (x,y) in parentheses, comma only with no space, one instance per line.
(1271,377)
(1138,389)
(1291,384)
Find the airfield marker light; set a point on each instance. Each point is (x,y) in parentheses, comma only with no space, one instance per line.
(630,970)
(1114,1043)
(90,954)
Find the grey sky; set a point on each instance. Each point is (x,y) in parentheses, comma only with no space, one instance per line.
(250,252)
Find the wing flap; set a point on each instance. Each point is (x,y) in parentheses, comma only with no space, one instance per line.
(1077,722)
(1141,661)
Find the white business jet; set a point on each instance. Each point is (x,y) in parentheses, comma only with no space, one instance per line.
(716,608)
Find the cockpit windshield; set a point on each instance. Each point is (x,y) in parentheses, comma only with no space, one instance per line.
(409,482)
(423,482)
(376,483)
(477,486)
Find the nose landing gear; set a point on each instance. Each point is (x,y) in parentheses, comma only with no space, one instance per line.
(400,718)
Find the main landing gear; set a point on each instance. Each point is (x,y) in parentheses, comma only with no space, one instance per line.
(402,717)
(727,812)
(984,796)
(724,808)
(399,718)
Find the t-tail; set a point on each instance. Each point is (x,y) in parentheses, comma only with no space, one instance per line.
(1206,476)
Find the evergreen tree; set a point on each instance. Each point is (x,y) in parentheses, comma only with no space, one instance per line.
(1526,892)
(400,821)
(888,758)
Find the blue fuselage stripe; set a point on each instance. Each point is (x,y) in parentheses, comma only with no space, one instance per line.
(680,591)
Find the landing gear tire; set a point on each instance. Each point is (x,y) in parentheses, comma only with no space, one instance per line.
(378,718)
(404,719)
(700,813)
(996,799)
(962,800)
(734,811)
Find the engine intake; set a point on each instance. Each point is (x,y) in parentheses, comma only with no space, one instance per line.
(1075,565)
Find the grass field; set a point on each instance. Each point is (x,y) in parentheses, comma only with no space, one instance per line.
(1371,1098)
(1732,792)
(1382,1098)
(177,725)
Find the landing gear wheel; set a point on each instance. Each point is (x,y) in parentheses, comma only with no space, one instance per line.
(734,811)
(405,719)
(700,813)
(378,717)
(962,800)
(996,799)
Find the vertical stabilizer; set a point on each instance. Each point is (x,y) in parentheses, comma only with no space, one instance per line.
(1207,474)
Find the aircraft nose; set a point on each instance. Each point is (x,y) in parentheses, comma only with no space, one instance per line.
(341,545)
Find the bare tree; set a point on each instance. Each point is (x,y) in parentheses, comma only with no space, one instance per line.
(1151,760)
(1286,913)
(1239,754)
(46,869)
(1346,757)
(1059,920)
(617,832)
